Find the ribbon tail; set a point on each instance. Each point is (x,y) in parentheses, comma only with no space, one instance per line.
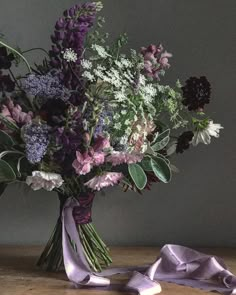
(76,266)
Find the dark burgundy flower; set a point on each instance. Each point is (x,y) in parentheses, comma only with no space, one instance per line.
(5,59)
(6,83)
(196,93)
(54,112)
(184,141)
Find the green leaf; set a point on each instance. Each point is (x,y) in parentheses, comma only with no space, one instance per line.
(8,123)
(2,188)
(161,169)
(146,164)
(7,174)
(138,175)
(162,157)
(5,139)
(161,141)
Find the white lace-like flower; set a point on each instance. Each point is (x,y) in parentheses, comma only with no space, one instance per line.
(101,51)
(47,181)
(99,6)
(86,64)
(88,76)
(205,135)
(70,55)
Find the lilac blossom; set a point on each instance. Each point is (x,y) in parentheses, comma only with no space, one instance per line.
(155,60)
(45,86)
(118,158)
(36,138)
(104,180)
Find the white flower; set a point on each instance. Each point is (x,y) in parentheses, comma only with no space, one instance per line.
(70,55)
(204,135)
(99,6)
(47,181)
(123,112)
(86,64)
(88,76)
(101,51)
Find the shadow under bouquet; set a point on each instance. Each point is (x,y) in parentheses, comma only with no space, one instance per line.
(89,117)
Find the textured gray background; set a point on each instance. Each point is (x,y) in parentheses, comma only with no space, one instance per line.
(198,207)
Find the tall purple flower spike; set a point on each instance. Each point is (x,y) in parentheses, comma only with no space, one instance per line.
(176,264)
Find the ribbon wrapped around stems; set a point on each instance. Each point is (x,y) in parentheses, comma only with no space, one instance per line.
(176,264)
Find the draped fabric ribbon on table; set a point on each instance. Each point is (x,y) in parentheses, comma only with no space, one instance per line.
(176,264)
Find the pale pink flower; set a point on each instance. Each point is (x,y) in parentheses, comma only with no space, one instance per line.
(118,158)
(98,158)
(83,163)
(104,180)
(101,143)
(15,114)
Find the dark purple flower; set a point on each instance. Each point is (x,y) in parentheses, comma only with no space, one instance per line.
(183,142)
(196,93)
(70,34)
(5,59)
(54,112)
(36,138)
(6,83)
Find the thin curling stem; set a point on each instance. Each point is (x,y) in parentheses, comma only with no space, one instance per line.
(18,53)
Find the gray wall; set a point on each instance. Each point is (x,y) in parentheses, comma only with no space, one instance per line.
(198,207)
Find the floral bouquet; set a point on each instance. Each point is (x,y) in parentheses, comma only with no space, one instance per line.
(90,117)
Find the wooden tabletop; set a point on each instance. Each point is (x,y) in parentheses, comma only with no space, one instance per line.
(19,275)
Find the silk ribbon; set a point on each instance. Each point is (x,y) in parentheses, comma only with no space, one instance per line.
(176,264)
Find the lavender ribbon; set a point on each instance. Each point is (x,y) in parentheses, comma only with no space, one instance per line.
(176,264)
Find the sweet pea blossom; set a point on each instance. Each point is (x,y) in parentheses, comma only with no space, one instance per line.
(205,135)
(47,181)
(104,180)
(83,163)
(118,158)
(155,60)
(15,114)
(95,156)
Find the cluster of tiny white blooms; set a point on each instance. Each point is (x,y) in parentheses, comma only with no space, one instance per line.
(123,63)
(148,92)
(117,126)
(124,140)
(101,51)
(70,55)
(99,6)
(86,64)
(88,76)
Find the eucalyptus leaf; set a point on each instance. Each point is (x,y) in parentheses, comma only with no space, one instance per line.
(161,135)
(2,188)
(7,174)
(161,169)
(5,139)
(138,175)
(161,144)
(146,164)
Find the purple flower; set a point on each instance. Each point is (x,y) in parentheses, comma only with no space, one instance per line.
(183,142)
(104,180)
(46,86)
(83,163)
(155,60)
(36,138)
(70,34)
(6,83)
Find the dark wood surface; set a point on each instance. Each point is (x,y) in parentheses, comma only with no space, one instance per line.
(20,276)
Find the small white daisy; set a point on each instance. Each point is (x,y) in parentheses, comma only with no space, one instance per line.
(205,135)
